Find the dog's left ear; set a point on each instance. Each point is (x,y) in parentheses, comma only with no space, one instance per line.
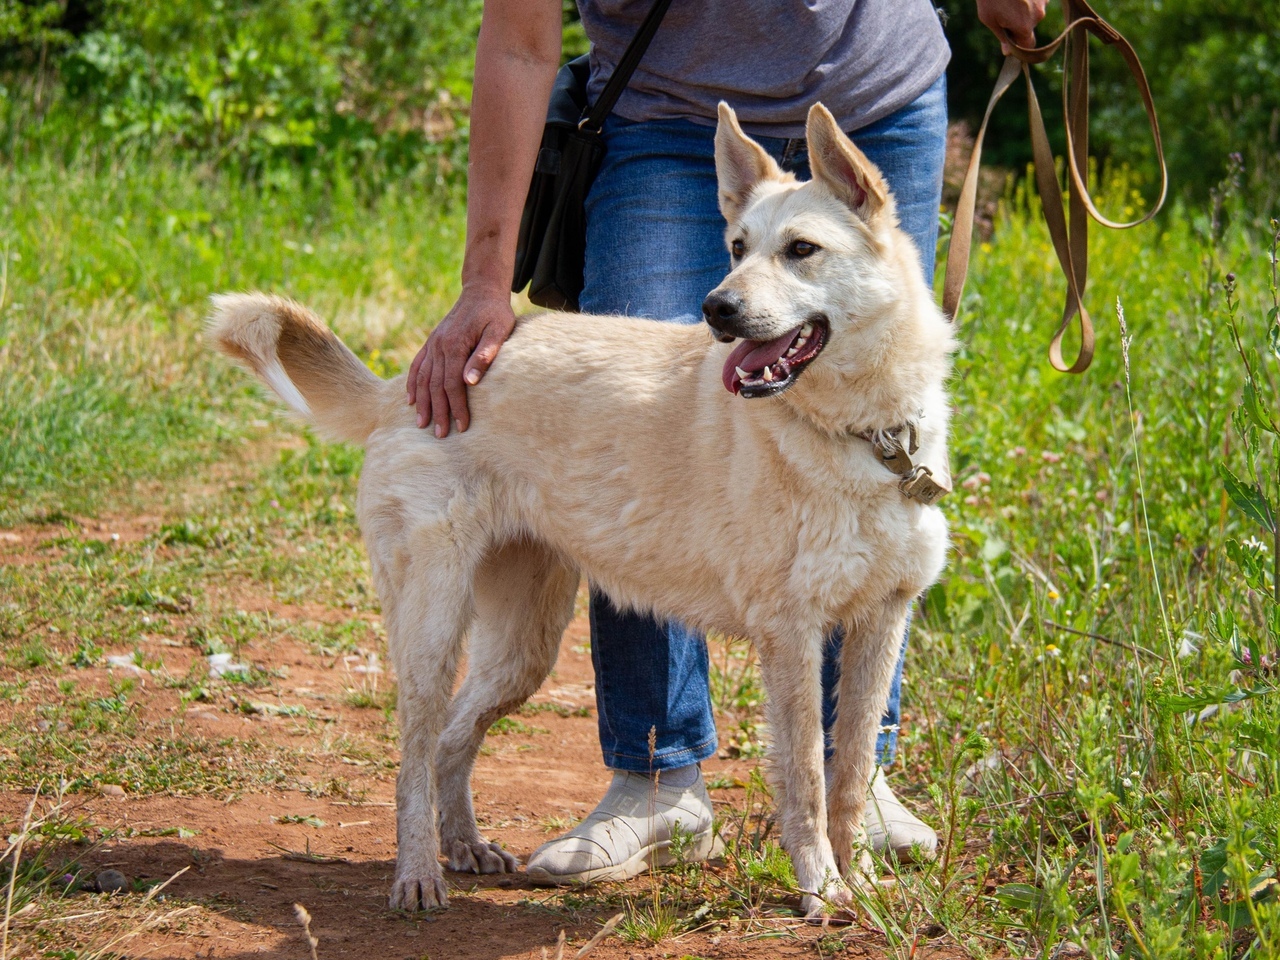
(845,169)
(741,164)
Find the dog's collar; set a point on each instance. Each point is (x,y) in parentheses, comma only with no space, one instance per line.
(918,481)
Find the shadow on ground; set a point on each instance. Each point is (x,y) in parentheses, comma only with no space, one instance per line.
(250,905)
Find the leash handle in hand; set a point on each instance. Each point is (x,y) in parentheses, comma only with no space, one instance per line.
(1070,244)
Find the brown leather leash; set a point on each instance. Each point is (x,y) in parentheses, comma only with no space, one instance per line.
(1071,245)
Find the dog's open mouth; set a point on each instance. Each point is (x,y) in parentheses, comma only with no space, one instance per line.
(762,368)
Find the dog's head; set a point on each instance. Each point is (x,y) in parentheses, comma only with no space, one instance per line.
(815,265)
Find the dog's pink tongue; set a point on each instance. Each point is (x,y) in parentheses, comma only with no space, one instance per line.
(754,355)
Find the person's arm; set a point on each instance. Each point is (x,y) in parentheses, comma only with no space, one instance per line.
(517,55)
(1012,20)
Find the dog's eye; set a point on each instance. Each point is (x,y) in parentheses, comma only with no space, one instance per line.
(738,248)
(803,248)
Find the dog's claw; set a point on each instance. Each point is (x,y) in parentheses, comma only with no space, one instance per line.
(417,893)
(480,857)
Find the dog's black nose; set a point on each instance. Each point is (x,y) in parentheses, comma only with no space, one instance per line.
(719,307)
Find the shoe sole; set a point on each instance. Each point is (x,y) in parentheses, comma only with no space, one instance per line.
(705,847)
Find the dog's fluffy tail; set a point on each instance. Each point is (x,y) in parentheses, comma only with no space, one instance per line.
(301,359)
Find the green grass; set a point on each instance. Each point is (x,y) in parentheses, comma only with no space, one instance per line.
(105,271)
(1093,603)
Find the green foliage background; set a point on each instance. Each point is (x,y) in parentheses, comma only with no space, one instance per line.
(381,87)
(378,88)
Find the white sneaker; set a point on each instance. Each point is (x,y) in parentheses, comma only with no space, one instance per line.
(893,829)
(628,832)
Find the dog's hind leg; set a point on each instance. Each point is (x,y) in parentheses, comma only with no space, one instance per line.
(792,671)
(424,582)
(866,673)
(524,600)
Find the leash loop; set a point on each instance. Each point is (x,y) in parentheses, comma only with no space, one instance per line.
(1070,242)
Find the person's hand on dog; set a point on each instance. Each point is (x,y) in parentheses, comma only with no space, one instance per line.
(456,355)
(1014,20)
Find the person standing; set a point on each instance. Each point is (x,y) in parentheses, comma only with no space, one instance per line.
(655,248)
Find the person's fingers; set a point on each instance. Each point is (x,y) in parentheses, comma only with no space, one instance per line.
(424,390)
(411,382)
(1012,21)
(988,16)
(993,23)
(439,399)
(1023,21)
(1022,35)
(456,391)
(485,353)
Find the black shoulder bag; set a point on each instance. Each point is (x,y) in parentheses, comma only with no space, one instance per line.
(551,247)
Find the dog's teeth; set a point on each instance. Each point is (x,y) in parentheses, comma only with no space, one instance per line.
(806,330)
(768,374)
(742,374)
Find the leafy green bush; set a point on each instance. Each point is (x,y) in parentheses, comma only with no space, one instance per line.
(377,87)
(28,30)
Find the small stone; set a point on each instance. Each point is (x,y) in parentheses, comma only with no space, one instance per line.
(112,881)
(112,790)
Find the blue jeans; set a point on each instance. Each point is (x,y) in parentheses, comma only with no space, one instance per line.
(655,248)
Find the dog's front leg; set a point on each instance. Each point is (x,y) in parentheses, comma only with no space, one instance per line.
(866,673)
(793,679)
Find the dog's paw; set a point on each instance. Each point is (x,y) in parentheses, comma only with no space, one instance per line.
(836,904)
(480,857)
(419,892)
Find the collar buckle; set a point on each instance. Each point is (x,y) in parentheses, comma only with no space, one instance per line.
(918,482)
(920,485)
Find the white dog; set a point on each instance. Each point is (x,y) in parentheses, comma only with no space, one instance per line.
(768,490)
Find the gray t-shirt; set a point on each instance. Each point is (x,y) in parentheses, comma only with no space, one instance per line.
(770,59)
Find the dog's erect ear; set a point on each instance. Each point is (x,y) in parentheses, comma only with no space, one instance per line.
(845,169)
(741,164)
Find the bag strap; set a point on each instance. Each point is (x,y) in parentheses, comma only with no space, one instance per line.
(621,76)
(1070,243)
